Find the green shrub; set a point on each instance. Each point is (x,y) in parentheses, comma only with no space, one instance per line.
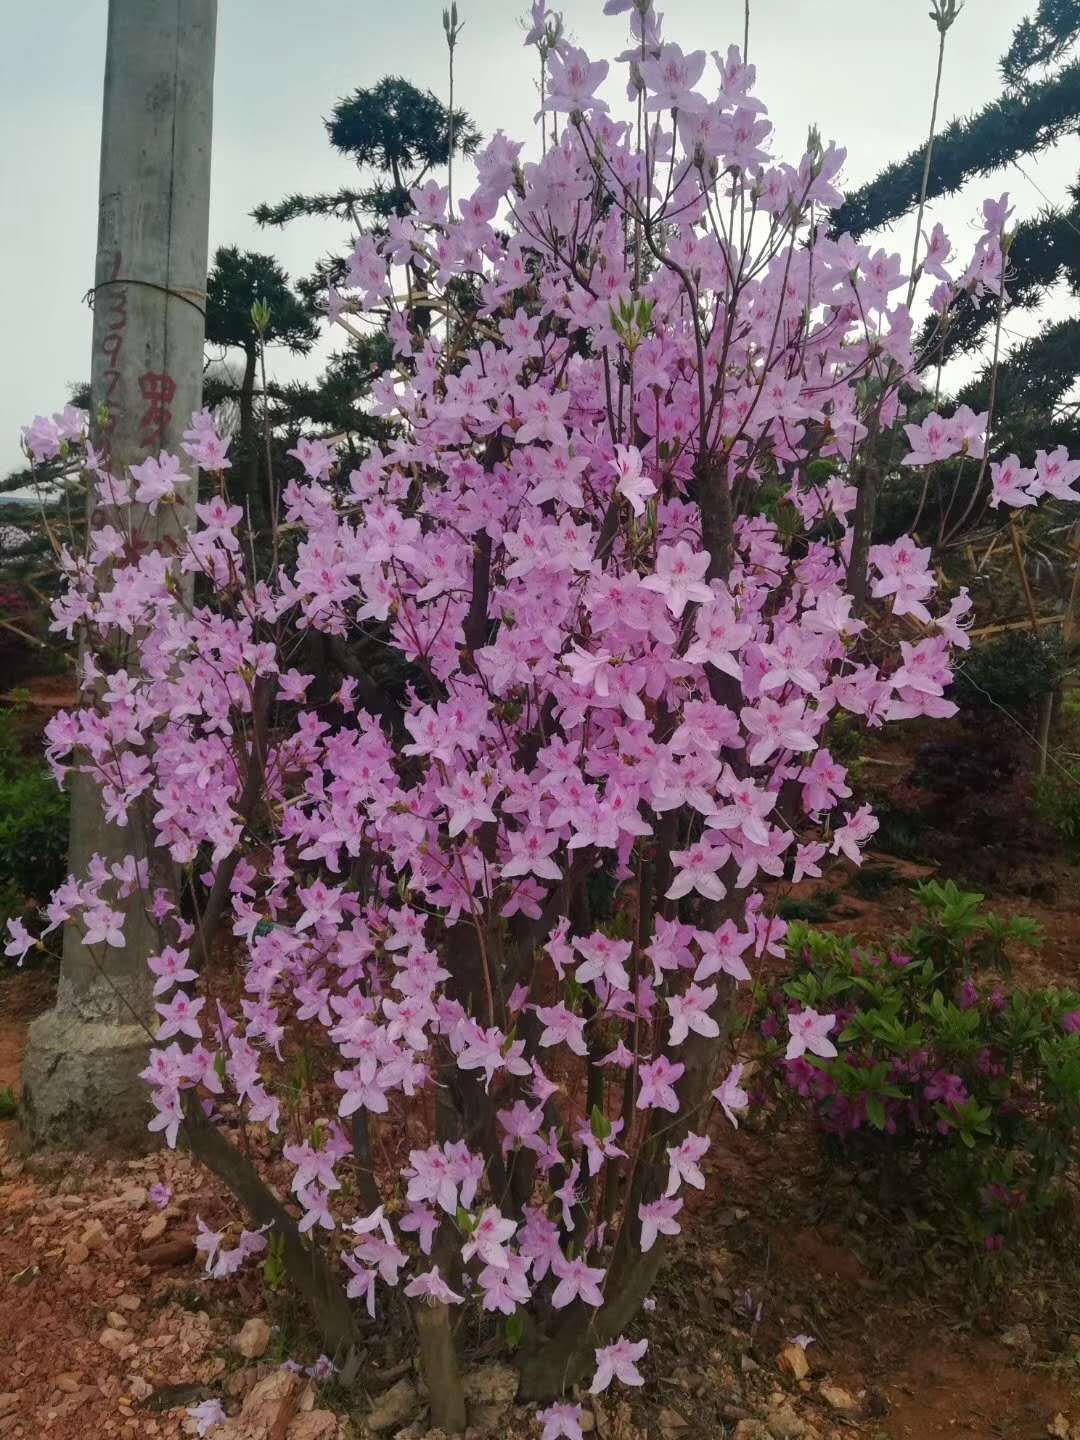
(1014,670)
(814,909)
(33,826)
(845,739)
(957,1093)
(899,829)
(1057,798)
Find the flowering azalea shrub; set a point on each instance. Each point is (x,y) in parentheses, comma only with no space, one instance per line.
(491,926)
(954,1089)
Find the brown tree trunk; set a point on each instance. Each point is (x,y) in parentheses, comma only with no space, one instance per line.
(305,1266)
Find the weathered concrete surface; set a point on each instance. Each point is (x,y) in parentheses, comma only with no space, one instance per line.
(80,1082)
(83,1059)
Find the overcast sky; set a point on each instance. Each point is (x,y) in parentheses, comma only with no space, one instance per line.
(861,69)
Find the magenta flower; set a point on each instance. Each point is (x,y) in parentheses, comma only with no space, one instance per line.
(968,996)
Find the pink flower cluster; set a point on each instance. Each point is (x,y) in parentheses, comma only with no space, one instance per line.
(619,667)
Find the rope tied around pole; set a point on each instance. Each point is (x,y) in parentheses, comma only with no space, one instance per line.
(189,297)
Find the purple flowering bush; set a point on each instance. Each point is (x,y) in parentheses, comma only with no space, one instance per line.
(950,1085)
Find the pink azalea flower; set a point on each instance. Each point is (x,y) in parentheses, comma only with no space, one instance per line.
(604,959)
(208,1415)
(576,1281)
(488,1238)
(561,1421)
(656,1081)
(658,1218)
(731,1096)
(179,1016)
(679,576)
(698,869)
(572,81)
(618,1362)
(810,1032)
(632,483)
(671,77)
(21,940)
(431,1287)
(690,1011)
(683,1163)
(562,1027)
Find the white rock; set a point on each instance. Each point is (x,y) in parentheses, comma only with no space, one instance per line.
(838,1398)
(394,1407)
(253,1338)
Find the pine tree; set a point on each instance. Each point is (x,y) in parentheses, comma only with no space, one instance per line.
(396,135)
(237,281)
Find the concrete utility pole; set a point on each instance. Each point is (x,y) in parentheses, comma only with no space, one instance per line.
(80,1075)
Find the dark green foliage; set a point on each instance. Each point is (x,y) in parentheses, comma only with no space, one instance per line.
(1032,382)
(21,632)
(1058,800)
(335,402)
(1010,128)
(845,739)
(1013,670)
(870,882)
(236,281)
(239,279)
(814,910)
(347,205)
(1040,39)
(33,826)
(899,830)
(395,127)
(396,130)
